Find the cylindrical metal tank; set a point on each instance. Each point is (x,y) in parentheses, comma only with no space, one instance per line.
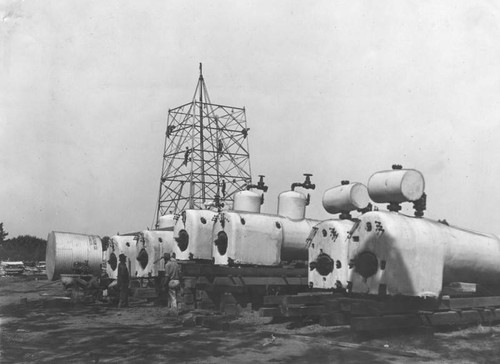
(166,243)
(147,255)
(247,201)
(397,254)
(346,198)
(397,185)
(66,249)
(166,222)
(193,235)
(295,234)
(247,238)
(120,244)
(292,204)
(328,254)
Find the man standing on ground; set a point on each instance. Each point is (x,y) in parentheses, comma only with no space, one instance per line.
(172,279)
(123,281)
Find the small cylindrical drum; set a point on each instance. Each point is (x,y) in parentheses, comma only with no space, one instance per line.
(346,198)
(66,249)
(247,201)
(398,185)
(292,204)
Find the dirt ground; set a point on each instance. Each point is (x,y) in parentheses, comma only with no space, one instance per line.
(40,325)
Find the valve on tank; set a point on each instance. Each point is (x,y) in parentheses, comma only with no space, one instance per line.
(368,208)
(306,184)
(420,205)
(260,185)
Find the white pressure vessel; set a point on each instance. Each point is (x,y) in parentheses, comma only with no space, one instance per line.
(416,256)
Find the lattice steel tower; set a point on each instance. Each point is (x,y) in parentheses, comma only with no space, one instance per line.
(206,158)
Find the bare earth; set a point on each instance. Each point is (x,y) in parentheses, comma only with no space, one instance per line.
(38,325)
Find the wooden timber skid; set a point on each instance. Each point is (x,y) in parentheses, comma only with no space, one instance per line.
(204,282)
(365,313)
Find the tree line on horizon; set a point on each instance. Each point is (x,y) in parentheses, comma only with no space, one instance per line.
(21,248)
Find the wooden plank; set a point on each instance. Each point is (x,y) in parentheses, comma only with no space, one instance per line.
(474,302)
(308,299)
(274,300)
(321,293)
(270,312)
(378,349)
(496,313)
(346,303)
(452,318)
(226,281)
(384,322)
(334,319)
(263,281)
(390,306)
(204,269)
(144,293)
(487,316)
(230,289)
(292,311)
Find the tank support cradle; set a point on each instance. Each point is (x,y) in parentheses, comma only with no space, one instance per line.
(373,314)
(222,287)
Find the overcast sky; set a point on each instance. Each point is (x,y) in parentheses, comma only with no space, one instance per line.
(339,89)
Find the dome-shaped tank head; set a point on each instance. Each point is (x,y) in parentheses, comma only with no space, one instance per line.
(292,204)
(247,201)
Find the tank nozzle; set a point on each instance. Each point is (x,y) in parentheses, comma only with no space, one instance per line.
(260,185)
(306,184)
